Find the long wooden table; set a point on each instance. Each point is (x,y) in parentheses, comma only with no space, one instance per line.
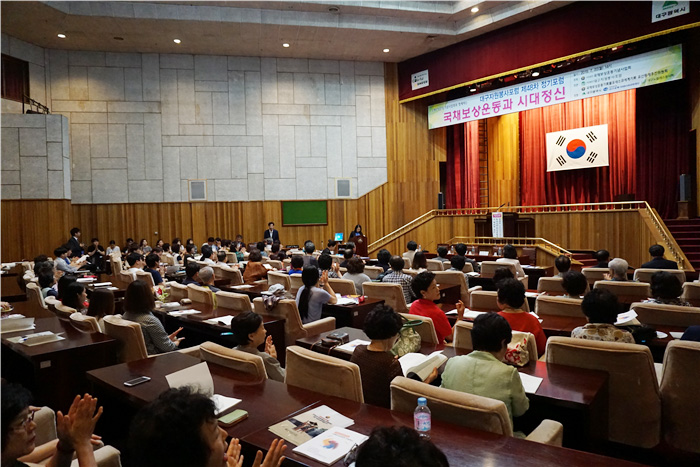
(576,397)
(463,446)
(55,371)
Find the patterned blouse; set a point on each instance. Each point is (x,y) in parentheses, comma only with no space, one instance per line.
(602,332)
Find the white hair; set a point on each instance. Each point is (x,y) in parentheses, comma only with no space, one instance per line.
(618,267)
(206,273)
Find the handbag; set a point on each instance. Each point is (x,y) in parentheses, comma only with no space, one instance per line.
(409,340)
(517,353)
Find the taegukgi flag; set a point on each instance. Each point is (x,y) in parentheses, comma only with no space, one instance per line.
(580,148)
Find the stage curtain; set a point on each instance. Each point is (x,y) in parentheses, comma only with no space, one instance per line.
(462,190)
(504,159)
(662,144)
(600,184)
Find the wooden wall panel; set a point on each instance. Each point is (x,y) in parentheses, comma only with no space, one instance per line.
(31,227)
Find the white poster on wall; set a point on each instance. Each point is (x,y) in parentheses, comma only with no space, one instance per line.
(665,10)
(580,148)
(497,224)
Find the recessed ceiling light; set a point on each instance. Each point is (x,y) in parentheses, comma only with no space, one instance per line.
(118,38)
(386,51)
(614,49)
(177,41)
(475,9)
(285,45)
(535,73)
(62,36)
(472,89)
(334,9)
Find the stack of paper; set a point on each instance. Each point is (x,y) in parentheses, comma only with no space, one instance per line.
(102,284)
(37,338)
(14,323)
(530,383)
(532,294)
(86,279)
(627,318)
(350,346)
(184,312)
(300,428)
(331,446)
(471,314)
(346,301)
(224,320)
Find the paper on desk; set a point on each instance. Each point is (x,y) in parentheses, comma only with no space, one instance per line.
(530,383)
(350,346)
(184,312)
(472,314)
(102,284)
(244,286)
(199,378)
(629,317)
(86,279)
(473,274)
(225,320)
(19,323)
(112,288)
(532,294)
(676,335)
(346,301)
(37,338)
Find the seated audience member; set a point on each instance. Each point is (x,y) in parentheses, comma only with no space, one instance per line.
(152,264)
(426,289)
(457,263)
(95,253)
(442,254)
(19,430)
(189,254)
(75,297)
(601,308)
(356,273)
(691,334)
(396,276)
(461,250)
(206,276)
(249,334)
(211,243)
(348,254)
(310,297)
(309,249)
(175,250)
(42,262)
(500,274)
(180,428)
(47,280)
(143,246)
(113,248)
(666,289)
(136,263)
(62,263)
(63,284)
(138,306)
(617,269)
(254,270)
(657,259)
(420,262)
(383,258)
(511,298)
(191,273)
(275,253)
(127,244)
(325,263)
(411,248)
(378,366)
(221,256)
(510,255)
(208,254)
(563,264)
(101,305)
(159,243)
(399,447)
(602,256)
(574,283)
(483,372)
(189,241)
(297,265)
(261,246)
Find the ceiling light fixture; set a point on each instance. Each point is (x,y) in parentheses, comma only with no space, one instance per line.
(61,36)
(475,9)
(472,89)
(386,51)
(535,73)
(333,9)
(285,45)
(177,41)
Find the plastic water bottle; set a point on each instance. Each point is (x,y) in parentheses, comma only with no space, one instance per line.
(421,418)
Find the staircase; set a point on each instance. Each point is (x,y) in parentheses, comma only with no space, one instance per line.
(687,235)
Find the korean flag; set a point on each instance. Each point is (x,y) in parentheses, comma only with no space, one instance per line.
(580,148)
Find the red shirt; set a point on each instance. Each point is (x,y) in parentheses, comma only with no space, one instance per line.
(525,322)
(423,307)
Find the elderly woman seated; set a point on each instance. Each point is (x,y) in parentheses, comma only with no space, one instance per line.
(666,289)
(601,308)
(618,269)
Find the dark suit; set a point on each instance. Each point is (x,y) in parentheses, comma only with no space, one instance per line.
(660,263)
(274,235)
(74,246)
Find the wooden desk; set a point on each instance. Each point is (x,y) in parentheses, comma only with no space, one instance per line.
(351,315)
(11,290)
(575,397)
(55,371)
(195,330)
(462,446)
(31,309)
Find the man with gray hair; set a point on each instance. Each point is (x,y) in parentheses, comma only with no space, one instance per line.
(618,269)
(206,275)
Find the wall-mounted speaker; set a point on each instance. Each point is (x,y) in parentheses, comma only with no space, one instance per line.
(198,190)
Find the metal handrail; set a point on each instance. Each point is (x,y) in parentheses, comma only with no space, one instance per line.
(515,241)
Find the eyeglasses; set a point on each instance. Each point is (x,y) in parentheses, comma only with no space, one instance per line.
(30,418)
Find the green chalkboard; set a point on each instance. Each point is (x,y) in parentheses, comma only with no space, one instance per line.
(304,213)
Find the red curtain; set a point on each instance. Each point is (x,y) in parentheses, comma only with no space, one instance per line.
(662,144)
(462,190)
(537,186)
